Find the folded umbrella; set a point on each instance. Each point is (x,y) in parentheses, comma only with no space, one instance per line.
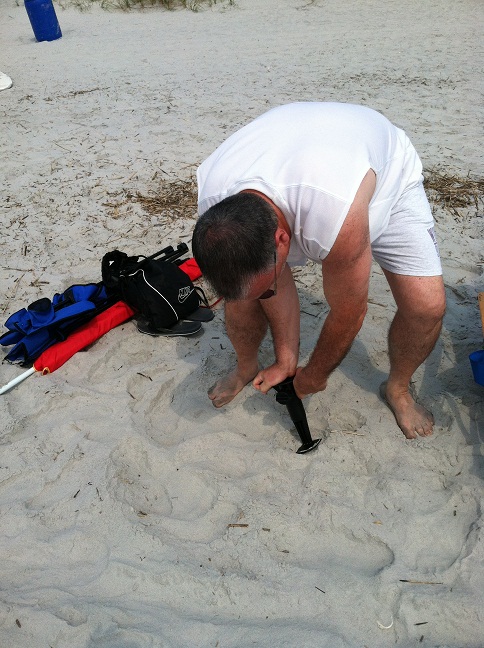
(56,355)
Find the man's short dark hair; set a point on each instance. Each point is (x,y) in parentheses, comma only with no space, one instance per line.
(233,242)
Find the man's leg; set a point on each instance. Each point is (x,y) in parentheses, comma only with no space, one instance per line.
(246,326)
(413,334)
(246,323)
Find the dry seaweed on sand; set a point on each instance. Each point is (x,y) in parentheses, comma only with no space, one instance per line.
(172,198)
(453,191)
(126,5)
(193,5)
(179,197)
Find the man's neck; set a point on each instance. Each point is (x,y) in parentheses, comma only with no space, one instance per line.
(281,219)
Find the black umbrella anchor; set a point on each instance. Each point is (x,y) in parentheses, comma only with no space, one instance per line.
(286,395)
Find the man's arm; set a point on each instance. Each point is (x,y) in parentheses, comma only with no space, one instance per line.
(283,314)
(346,275)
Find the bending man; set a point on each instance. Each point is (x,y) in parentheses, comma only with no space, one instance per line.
(338,184)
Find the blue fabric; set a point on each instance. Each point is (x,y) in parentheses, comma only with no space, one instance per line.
(81,292)
(11,337)
(34,329)
(38,314)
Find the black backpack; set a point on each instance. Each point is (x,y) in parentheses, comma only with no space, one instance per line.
(155,287)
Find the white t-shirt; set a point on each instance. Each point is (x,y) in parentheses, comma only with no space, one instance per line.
(310,159)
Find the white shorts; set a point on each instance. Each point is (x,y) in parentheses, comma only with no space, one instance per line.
(408,246)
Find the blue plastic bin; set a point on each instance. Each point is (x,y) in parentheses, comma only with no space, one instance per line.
(477,364)
(43,19)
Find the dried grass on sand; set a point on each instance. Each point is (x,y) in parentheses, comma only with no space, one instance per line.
(177,197)
(126,5)
(452,191)
(172,198)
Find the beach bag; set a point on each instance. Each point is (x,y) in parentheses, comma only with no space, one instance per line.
(155,287)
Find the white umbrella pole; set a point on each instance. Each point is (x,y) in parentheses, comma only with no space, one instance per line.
(17,380)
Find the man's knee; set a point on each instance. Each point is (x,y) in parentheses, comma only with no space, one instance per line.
(439,306)
(435,302)
(421,298)
(429,309)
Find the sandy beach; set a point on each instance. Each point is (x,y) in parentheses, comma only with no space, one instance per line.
(132,513)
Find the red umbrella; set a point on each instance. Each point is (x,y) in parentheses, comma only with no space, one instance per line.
(55,356)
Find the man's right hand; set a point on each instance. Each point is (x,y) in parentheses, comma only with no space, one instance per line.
(273,375)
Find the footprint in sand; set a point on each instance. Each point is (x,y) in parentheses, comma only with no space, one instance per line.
(165,494)
(132,480)
(332,549)
(72,559)
(347,420)
(150,402)
(151,391)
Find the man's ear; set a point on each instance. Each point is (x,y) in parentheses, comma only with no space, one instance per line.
(282,239)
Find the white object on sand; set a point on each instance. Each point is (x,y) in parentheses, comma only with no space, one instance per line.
(5,81)
(17,380)
(384,627)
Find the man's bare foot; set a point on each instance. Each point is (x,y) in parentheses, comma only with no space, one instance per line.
(411,417)
(229,386)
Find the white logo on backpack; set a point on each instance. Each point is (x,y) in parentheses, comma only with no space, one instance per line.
(184,294)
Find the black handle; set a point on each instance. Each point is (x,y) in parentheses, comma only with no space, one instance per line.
(286,395)
(168,253)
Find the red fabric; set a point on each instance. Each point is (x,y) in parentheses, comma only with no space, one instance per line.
(55,356)
(190,267)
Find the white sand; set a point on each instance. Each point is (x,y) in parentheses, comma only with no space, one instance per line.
(118,480)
